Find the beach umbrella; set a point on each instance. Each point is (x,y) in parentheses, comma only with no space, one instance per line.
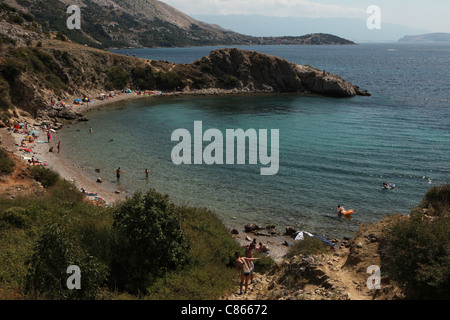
(77,100)
(300,235)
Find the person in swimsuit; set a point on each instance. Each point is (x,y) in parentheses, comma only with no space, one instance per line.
(263,247)
(244,270)
(249,254)
(340,210)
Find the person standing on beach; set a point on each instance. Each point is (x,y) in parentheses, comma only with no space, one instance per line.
(49,136)
(244,270)
(59,146)
(118,173)
(249,254)
(146,173)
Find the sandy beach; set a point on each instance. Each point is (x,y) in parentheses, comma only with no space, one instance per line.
(57,161)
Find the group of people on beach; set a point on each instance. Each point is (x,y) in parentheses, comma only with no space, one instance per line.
(31,137)
(245,266)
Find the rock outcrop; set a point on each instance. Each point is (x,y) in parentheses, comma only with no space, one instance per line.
(258,72)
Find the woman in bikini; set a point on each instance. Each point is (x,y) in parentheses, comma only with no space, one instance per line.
(244,269)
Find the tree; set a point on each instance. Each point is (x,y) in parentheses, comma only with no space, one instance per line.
(149,241)
(57,249)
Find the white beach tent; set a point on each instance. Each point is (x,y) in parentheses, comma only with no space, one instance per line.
(300,235)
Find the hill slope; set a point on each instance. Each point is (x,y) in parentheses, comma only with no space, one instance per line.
(144,23)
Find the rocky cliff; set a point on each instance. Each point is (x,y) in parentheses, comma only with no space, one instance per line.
(257,72)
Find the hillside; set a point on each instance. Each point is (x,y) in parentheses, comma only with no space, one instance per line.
(36,67)
(144,23)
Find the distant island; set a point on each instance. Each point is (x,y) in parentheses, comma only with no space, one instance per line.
(309,39)
(439,37)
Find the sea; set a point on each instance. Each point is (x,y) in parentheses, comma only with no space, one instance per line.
(332,151)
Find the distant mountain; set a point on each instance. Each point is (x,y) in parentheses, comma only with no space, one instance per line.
(145,23)
(352,29)
(427,38)
(128,23)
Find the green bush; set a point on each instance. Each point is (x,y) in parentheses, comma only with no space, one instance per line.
(417,255)
(229,81)
(143,245)
(7,165)
(437,200)
(61,35)
(308,246)
(170,81)
(45,176)
(15,217)
(149,241)
(11,69)
(211,271)
(265,264)
(117,78)
(57,249)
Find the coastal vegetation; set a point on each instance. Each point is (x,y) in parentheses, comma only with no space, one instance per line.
(7,165)
(149,248)
(143,248)
(308,246)
(417,249)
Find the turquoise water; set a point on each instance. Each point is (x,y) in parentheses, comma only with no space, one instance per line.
(332,151)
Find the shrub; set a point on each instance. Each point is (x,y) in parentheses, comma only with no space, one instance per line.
(170,81)
(117,78)
(7,165)
(437,199)
(265,264)
(45,176)
(56,250)
(61,36)
(229,81)
(149,241)
(143,78)
(15,217)
(417,255)
(11,69)
(308,246)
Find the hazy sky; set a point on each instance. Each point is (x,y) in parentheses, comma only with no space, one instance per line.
(433,15)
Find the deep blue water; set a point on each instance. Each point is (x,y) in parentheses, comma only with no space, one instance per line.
(332,151)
